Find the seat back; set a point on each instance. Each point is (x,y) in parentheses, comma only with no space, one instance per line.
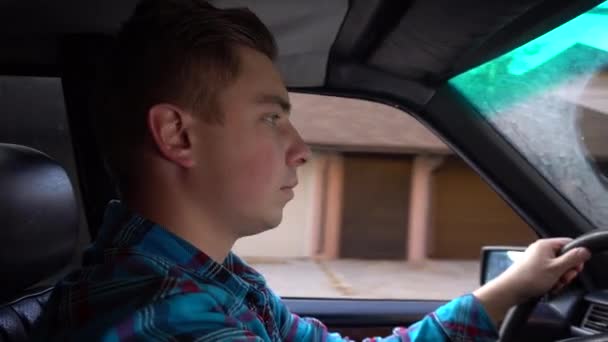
(18,316)
(38,234)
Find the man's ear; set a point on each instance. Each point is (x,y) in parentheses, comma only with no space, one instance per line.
(170,128)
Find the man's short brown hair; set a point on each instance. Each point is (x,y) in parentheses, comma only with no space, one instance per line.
(170,51)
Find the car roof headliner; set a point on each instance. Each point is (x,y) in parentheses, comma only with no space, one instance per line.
(410,45)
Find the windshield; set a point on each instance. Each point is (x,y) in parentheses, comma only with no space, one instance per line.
(549,98)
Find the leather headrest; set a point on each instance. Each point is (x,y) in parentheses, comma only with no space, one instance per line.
(38,218)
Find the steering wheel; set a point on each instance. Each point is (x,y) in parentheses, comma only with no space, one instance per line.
(595,241)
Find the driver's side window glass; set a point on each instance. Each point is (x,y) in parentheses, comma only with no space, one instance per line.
(384,209)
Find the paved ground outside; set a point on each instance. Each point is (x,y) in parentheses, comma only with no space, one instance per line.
(348,278)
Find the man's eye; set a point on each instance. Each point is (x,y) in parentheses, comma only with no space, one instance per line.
(272,118)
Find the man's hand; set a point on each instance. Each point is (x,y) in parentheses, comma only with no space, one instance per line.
(536,273)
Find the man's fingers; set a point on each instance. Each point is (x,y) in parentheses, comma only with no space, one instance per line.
(564,280)
(556,244)
(572,259)
(568,277)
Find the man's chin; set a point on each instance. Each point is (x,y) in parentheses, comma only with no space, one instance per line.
(265,224)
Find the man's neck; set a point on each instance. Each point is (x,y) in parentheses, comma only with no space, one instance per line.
(188,223)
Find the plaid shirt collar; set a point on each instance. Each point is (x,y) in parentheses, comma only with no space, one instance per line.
(131,232)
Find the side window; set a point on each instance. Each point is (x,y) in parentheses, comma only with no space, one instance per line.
(384,210)
(34,115)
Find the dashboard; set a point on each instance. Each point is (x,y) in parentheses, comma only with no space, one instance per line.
(574,315)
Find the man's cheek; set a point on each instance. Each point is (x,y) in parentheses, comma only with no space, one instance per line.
(256,174)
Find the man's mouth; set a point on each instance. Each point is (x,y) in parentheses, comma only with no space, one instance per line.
(288,190)
(290,186)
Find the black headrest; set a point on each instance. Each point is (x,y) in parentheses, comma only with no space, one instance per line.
(38,218)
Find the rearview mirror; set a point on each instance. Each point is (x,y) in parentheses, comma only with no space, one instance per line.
(496,259)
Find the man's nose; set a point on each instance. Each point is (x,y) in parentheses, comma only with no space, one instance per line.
(299,152)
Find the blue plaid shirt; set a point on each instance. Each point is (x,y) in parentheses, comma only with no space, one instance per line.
(141,282)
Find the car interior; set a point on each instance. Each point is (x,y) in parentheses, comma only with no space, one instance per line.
(407,54)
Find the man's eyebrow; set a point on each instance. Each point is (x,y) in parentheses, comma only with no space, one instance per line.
(275,99)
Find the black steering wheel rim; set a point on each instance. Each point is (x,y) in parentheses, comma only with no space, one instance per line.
(596,241)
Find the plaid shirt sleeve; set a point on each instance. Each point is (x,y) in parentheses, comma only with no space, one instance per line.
(462,319)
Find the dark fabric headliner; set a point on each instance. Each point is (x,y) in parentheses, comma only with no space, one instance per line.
(423,41)
(432,35)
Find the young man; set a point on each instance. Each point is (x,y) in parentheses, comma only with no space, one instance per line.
(195,128)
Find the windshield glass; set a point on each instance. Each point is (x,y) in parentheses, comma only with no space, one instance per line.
(549,98)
